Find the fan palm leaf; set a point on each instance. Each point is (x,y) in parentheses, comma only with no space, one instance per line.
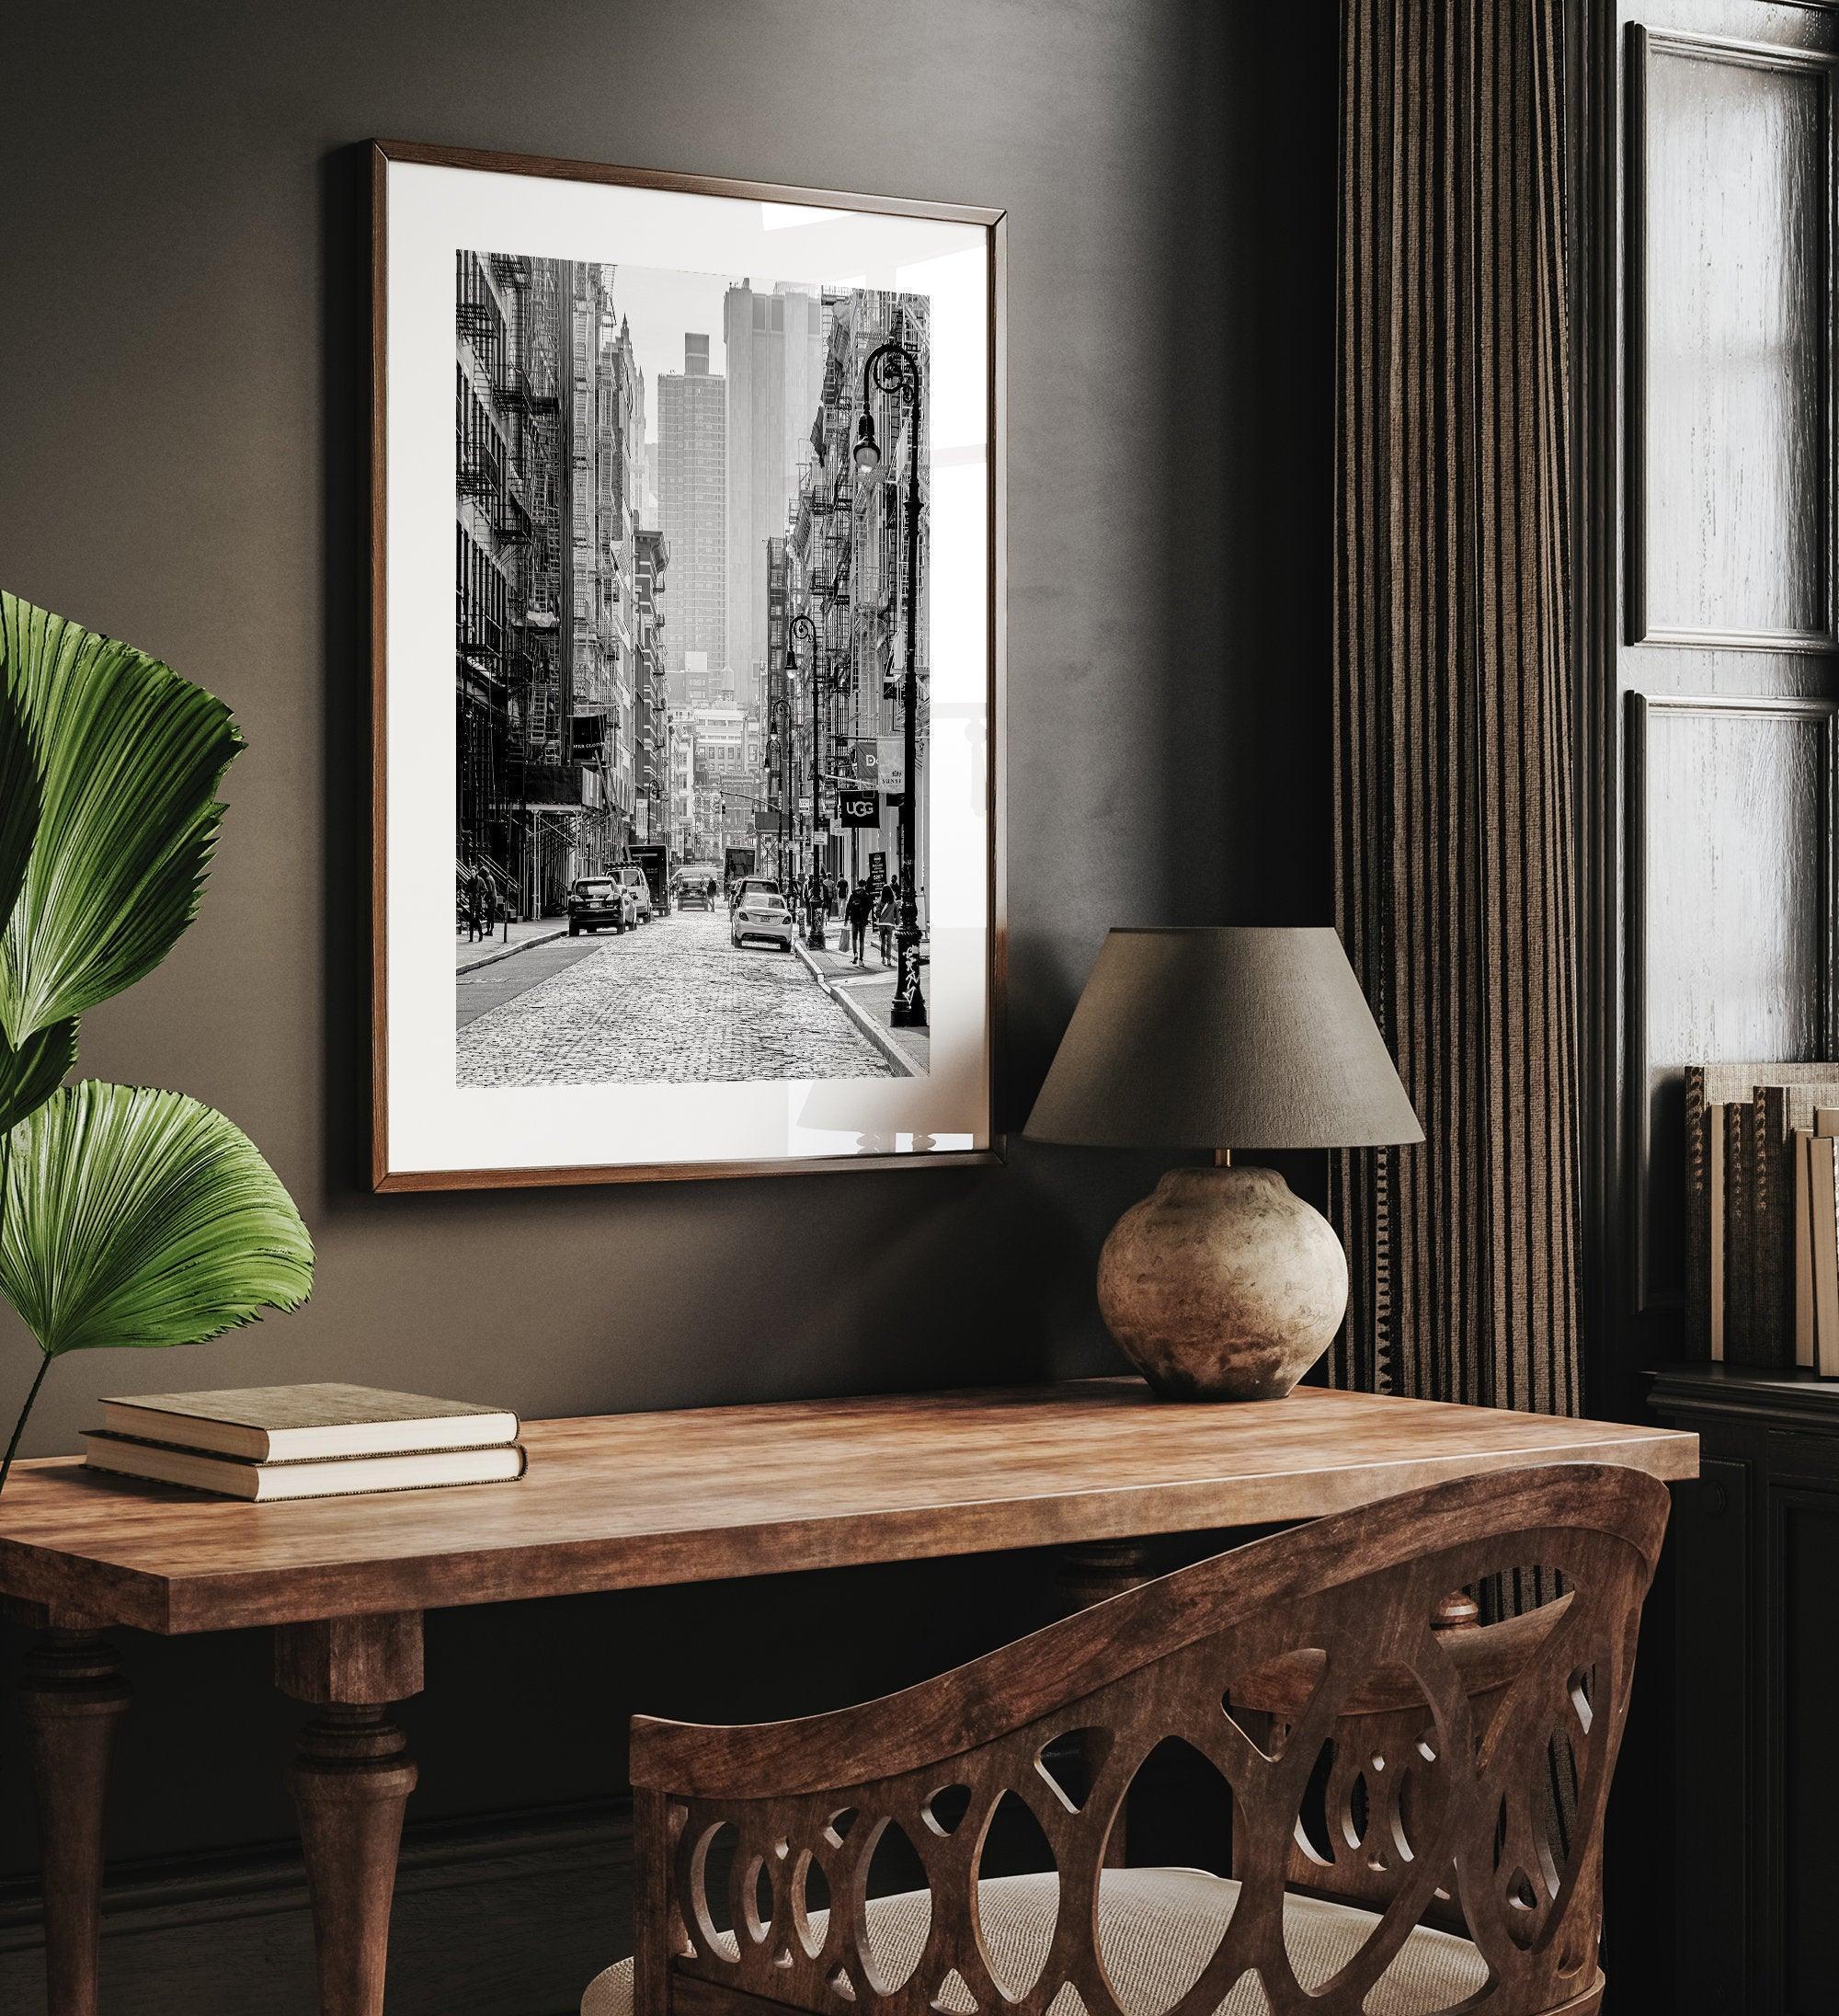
(141,1218)
(30,1074)
(127,756)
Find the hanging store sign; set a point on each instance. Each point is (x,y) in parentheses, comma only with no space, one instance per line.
(891,762)
(859,809)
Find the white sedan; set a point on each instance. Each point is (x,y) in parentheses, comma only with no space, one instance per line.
(761,916)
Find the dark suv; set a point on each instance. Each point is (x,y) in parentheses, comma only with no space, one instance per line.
(599,903)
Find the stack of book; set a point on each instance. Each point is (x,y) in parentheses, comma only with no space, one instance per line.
(322,1441)
(1761,1214)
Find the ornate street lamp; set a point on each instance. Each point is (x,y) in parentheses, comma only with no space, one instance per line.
(814,894)
(893,368)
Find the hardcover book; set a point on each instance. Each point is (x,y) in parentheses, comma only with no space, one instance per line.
(1802,1153)
(1740,1250)
(1776,1111)
(307,1424)
(337,1477)
(1823,1214)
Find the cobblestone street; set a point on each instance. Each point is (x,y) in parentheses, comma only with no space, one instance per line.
(672,1002)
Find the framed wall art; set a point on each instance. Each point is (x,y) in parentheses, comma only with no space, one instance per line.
(687,613)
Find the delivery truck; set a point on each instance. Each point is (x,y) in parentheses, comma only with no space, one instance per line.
(737,862)
(655,860)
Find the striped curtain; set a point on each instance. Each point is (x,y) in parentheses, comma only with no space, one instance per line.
(1453,740)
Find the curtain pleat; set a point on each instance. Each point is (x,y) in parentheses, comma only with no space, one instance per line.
(1454,731)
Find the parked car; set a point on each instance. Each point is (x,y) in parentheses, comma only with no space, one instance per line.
(599,903)
(753,885)
(761,915)
(632,876)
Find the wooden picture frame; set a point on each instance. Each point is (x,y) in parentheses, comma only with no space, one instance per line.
(867,1094)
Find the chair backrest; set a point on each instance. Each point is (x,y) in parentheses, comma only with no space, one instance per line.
(1432,1775)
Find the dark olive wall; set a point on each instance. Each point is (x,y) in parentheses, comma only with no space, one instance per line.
(182,331)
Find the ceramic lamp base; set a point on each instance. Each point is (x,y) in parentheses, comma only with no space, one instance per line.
(1222,1285)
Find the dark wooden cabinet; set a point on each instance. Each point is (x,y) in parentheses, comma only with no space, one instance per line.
(1754,1680)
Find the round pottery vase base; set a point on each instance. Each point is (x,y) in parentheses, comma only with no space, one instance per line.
(1222,1284)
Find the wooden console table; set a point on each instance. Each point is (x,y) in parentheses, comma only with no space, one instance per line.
(629,1502)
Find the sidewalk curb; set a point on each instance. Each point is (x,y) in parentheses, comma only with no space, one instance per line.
(510,951)
(808,963)
(857,1013)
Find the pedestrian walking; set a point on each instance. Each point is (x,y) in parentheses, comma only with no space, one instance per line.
(857,911)
(843,896)
(887,913)
(477,925)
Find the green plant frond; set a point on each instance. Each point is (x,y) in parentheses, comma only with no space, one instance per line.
(128,757)
(132,1217)
(30,1074)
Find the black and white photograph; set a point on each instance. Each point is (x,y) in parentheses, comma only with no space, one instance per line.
(691,664)
(705,797)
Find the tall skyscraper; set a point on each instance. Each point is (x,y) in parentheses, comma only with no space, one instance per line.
(776,345)
(703,684)
(693,433)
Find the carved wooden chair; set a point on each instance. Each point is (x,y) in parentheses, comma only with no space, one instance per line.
(1416,1813)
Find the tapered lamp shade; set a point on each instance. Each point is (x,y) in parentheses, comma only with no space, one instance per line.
(1224,1036)
(1222,1284)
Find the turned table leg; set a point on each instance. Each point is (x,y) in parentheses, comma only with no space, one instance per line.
(350,1781)
(71,1694)
(1091,1574)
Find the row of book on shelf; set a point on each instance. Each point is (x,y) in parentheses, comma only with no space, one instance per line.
(1761,1214)
(325,1440)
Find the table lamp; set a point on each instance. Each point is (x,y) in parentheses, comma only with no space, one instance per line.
(1223,1284)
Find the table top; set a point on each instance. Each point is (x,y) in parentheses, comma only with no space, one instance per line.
(630,1501)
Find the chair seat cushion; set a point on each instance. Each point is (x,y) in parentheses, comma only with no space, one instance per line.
(1157,1930)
